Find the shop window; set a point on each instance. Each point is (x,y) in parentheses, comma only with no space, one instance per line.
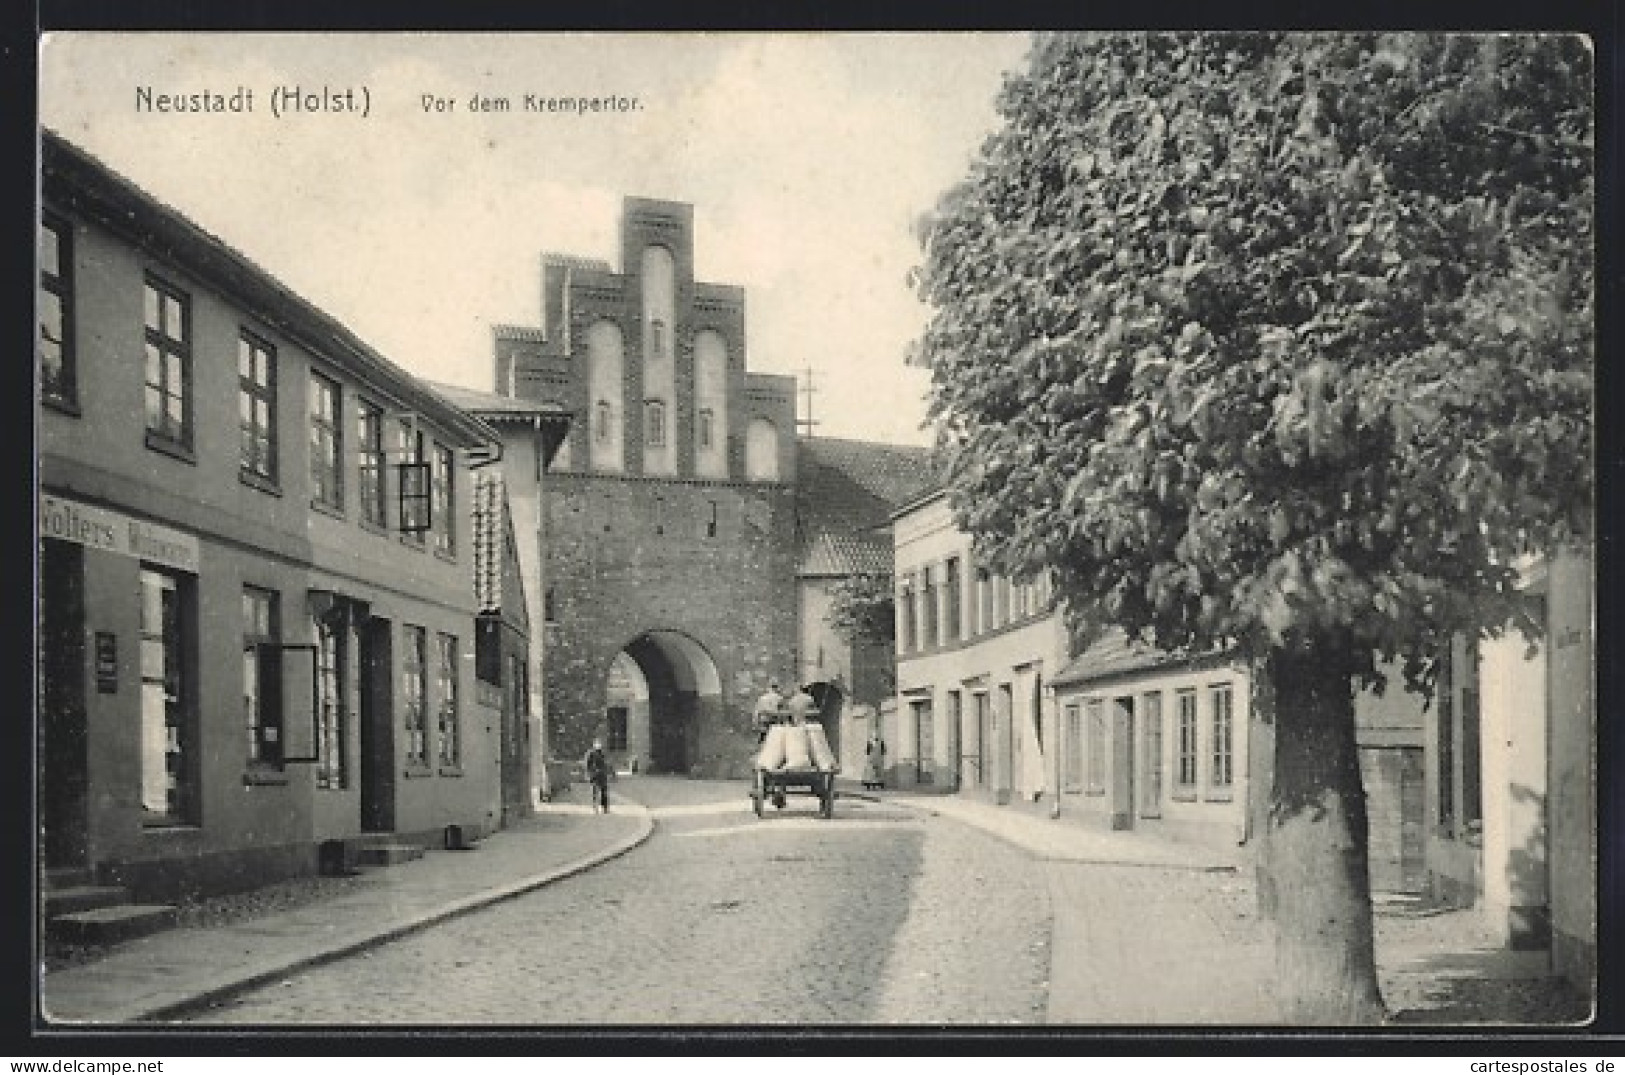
(262,677)
(58,378)
(450,722)
(370,463)
(168,345)
(168,763)
(414,688)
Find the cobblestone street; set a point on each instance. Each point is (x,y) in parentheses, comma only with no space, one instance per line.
(878,915)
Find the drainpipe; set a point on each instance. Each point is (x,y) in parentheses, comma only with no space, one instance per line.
(538,702)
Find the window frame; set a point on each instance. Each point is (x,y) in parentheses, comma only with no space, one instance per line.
(176,678)
(332,770)
(908,637)
(410,444)
(326,431)
(953,619)
(176,434)
(1187,743)
(654,423)
(372,456)
(415,696)
(252,346)
(448,712)
(62,389)
(442,494)
(1221,756)
(704,430)
(263,709)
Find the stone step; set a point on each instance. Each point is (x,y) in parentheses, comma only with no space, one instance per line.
(111,925)
(60,901)
(387,854)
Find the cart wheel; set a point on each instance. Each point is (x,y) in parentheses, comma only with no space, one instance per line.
(778,799)
(756,801)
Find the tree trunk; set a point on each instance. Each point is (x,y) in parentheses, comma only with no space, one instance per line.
(1325,962)
(1260,782)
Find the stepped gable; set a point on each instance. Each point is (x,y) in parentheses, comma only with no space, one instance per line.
(847,491)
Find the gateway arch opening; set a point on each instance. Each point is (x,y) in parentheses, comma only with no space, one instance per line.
(661,689)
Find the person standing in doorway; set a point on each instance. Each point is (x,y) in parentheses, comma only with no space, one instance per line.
(874,764)
(597,765)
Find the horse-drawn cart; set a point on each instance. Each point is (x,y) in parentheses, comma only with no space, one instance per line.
(794,757)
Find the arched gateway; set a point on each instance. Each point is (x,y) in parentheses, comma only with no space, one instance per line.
(659,691)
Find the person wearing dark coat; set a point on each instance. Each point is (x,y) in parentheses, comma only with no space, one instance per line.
(597,766)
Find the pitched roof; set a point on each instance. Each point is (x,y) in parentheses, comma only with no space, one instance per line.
(82,181)
(832,553)
(894,473)
(846,491)
(491,406)
(1114,654)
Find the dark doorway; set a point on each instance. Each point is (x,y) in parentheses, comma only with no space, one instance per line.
(377,728)
(684,701)
(63,766)
(830,702)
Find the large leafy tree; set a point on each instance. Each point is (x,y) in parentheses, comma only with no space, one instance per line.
(1278,342)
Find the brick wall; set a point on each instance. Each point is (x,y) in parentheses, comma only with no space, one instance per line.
(628,556)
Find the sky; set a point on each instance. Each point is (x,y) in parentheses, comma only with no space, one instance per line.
(808,158)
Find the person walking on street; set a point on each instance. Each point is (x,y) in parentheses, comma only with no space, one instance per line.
(597,765)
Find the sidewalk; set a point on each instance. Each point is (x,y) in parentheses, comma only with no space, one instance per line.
(157,977)
(1071,837)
